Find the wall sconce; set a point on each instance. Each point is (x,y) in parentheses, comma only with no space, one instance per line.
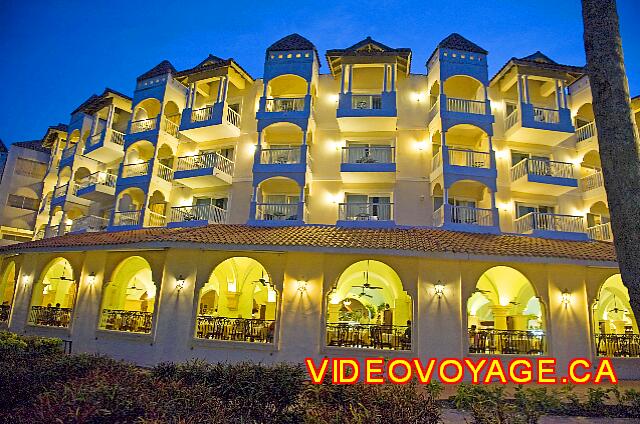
(231,286)
(180,283)
(91,279)
(565,297)
(271,296)
(421,145)
(346,302)
(25,280)
(301,286)
(438,289)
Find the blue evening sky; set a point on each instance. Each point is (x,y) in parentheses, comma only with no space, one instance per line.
(56,54)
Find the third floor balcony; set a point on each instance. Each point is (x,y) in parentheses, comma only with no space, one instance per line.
(209,122)
(99,186)
(462,161)
(366,214)
(543,176)
(105,146)
(368,163)
(204,170)
(198,214)
(551,225)
(367,111)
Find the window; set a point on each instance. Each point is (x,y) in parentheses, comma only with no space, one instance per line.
(594,219)
(368,207)
(22,202)
(368,153)
(510,108)
(524,208)
(219,202)
(31,168)
(282,199)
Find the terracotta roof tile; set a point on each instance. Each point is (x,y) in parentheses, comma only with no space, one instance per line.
(291,42)
(419,240)
(33,145)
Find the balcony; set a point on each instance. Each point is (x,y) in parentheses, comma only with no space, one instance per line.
(210,122)
(135,174)
(535,124)
(155,219)
(593,185)
(507,342)
(586,137)
(466,218)
(465,111)
(67,156)
(126,220)
(234,329)
(601,232)
(21,202)
(204,170)
(50,316)
(105,146)
(365,215)
(368,164)
(469,163)
(52,231)
(284,109)
(368,336)
(550,225)
(99,186)
(355,108)
(279,214)
(89,223)
(618,345)
(128,321)
(541,176)
(196,215)
(59,194)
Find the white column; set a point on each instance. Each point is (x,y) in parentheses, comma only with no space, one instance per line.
(350,78)
(192,95)
(526,89)
(226,88)
(343,79)
(220,91)
(386,75)
(394,72)
(564,94)
(112,109)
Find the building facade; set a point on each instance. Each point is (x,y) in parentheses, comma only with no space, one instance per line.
(364,209)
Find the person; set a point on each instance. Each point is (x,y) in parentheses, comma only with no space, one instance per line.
(57,305)
(255,314)
(406,337)
(271,331)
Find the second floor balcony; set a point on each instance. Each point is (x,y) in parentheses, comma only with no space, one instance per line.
(126,219)
(368,163)
(284,214)
(551,225)
(204,170)
(466,218)
(531,123)
(471,163)
(67,156)
(99,186)
(601,232)
(280,109)
(89,223)
(543,176)
(195,215)
(367,111)
(280,160)
(105,146)
(370,214)
(210,122)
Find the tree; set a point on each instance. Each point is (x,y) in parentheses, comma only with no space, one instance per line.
(619,144)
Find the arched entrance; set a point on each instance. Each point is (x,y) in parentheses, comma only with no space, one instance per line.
(368,308)
(237,303)
(128,302)
(54,295)
(615,325)
(505,316)
(7,290)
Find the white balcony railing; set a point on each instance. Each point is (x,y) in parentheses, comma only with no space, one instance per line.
(601,232)
(142,125)
(585,132)
(463,215)
(549,222)
(202,114)
(280,155)
(541,167)
(368,154)
(591,182)
(135,169)
(477,107)
(157,220)
(438,217)
(90,223)
(436,162)
(69,151)
(102,178)
(94,139)
(366,101)
(233,117)
(206,160)
(51,231)
(469,158)
(543,114)
(210,213)
(127,218)
(511,119)
(117,137)
(285,104)
(170,127)
(277,211)
(434,109)
(164,172)
(365,211)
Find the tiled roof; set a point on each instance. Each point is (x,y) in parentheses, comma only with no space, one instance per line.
(458,42)
(291,42)
(313,237)
(539,57)
(368,46)
(33,145)
(94,103)
(60,127)
(540,60)
(162,68)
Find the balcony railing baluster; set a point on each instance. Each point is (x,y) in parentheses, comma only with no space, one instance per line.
(515,342)
(235,329)
(369,336)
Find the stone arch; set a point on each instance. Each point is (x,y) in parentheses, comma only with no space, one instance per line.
(146,109)
(288,86)
(463,87)
(54,294)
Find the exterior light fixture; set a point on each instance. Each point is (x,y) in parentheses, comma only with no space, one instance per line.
(301,286)
(565,297)
(271,296)
(421,145)
(91,279)
(438,289)
(25,280)
(231,286)
(180,283)
(346,302)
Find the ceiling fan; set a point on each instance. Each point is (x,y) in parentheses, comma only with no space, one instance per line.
(615,309)
(133,286)
(479,290)
(367,285)
(514,302)
(62,277)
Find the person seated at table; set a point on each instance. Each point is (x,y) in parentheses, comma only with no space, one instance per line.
(57,305)
(271,331)
(406,338)
(255,314)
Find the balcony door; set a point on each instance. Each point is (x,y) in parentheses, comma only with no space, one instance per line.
(364,206)
(524,208)
(463,210)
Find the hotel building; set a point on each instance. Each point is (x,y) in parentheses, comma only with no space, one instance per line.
(363,210)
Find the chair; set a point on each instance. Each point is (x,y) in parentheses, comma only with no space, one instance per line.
(377,339)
